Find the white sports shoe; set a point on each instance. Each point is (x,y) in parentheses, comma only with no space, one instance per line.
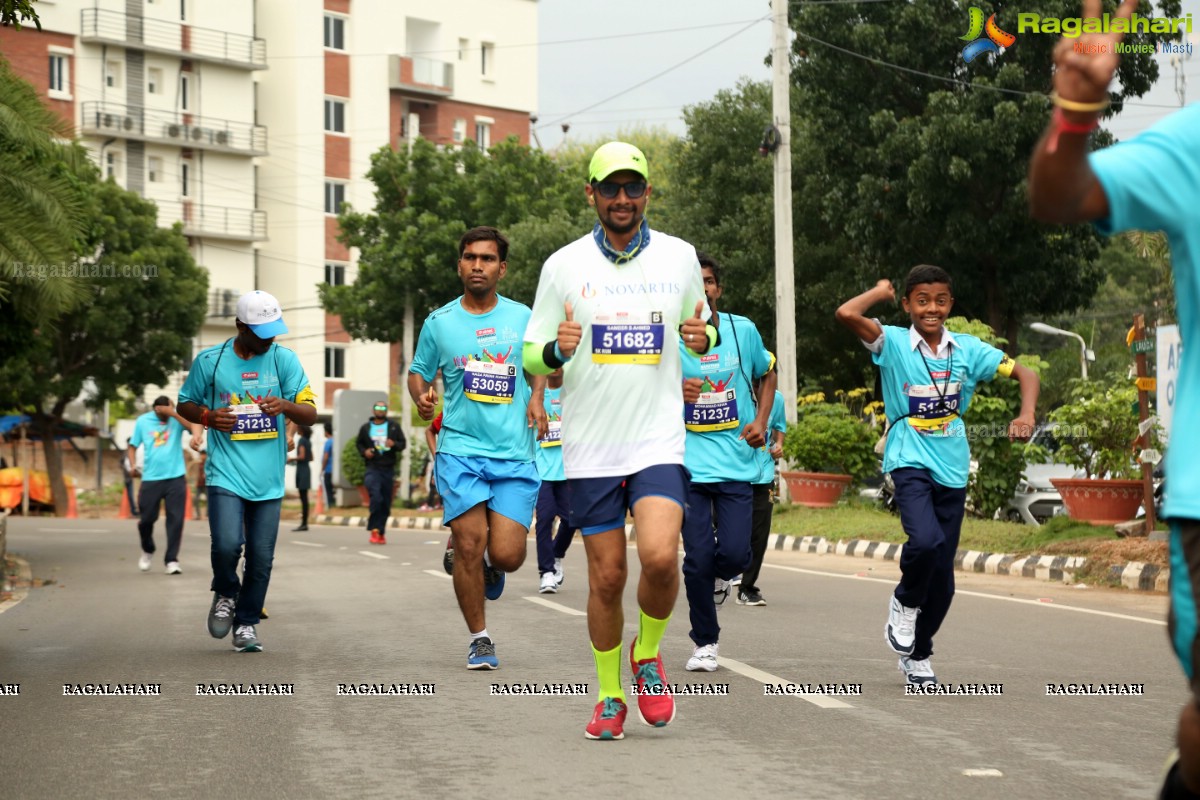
(549,585)
(558,571)
(145,562)
(917,673)
(173,568)
(900,632)
(704,659)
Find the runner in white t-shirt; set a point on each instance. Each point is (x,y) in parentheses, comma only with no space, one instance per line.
(611,309)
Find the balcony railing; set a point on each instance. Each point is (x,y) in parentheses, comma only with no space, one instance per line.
(149,125)
(214,222)
(421,75)
(160,36)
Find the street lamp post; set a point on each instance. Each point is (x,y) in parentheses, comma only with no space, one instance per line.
(1042,327)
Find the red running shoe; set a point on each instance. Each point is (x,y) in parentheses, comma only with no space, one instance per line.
(608,720)
(656,704)
(377,537)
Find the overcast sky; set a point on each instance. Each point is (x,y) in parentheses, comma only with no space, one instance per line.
(592,50)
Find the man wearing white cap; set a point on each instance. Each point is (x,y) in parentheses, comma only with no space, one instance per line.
(238,390)
(611,309)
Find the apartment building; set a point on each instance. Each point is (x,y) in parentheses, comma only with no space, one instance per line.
(175,98)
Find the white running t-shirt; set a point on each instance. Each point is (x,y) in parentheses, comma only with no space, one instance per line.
(622,398)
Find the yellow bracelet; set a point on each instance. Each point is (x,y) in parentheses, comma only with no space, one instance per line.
(1073,105)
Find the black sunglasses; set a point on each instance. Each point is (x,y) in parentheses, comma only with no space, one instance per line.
(610,189)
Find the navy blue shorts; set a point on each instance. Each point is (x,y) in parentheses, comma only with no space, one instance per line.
(600,504)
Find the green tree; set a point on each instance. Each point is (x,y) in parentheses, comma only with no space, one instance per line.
(145,302)
(42,202)
(424,201)
(922,168)
(14,12)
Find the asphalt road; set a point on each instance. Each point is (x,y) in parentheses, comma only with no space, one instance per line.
(345,613)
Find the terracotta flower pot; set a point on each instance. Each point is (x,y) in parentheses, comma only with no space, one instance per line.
(1100,502)
(816,489)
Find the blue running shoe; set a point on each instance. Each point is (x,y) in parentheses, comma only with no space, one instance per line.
(493,582)
(482,654)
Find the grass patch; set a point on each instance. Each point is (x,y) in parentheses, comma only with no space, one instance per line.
(855,519)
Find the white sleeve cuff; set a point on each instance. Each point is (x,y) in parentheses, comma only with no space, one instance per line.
(876,346)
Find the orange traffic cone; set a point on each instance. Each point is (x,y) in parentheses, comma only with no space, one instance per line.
(320,501)
(72,506)
(124,513)
(187,502)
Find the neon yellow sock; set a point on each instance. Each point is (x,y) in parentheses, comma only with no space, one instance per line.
(650,635)
(608,670)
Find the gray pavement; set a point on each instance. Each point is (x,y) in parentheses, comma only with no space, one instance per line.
(342,614)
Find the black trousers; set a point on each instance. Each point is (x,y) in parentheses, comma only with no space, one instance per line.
(760,531)
(171,492)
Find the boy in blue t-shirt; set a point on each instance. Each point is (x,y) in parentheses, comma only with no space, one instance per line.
(485,468)
(929,376)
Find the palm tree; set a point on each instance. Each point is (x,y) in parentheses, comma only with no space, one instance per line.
(1153,249)
(43,210)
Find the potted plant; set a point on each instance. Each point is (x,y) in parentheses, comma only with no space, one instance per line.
(1098,430)
(831,445)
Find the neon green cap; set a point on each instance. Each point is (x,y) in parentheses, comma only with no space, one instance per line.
(614,157)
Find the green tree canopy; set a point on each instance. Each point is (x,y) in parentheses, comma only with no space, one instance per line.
(424,201)
(145,302)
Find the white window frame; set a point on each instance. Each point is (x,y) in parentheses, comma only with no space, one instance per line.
(63,55)
(154,169)
(464,49)
(114,166)
(332,106)
(112,74)
(487,60)
(154,80)
(485,124)
(329,350)
(459,133)
(331,270)
(331,199)
(185,178)
(330,29)
(185,91)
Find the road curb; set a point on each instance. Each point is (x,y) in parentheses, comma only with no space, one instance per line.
(1056,569)
(24,582)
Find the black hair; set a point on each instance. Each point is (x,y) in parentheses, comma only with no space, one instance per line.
(305,431)
(162,400)
(328,426)
(926,273)
(711,263)
(484,233)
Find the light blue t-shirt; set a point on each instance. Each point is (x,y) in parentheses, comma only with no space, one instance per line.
(777,422)
(549,452)
(714,453)
(486,392)
(247,461)
(1153,183)
(931,394)
(162,444)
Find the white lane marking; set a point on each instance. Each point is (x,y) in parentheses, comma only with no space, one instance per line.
(983,773)
(343,548)
(73,530)
(306,544)
(1022,600)
(541,601)
(369,554)
(750,672)
(406,563)
(437,574)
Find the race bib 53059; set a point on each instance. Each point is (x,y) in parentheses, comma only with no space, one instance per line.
(485,382)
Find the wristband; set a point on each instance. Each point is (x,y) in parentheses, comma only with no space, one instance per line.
(1075,105)
(1059,124)
(204,417)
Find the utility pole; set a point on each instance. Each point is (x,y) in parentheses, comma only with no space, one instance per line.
(785,275)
